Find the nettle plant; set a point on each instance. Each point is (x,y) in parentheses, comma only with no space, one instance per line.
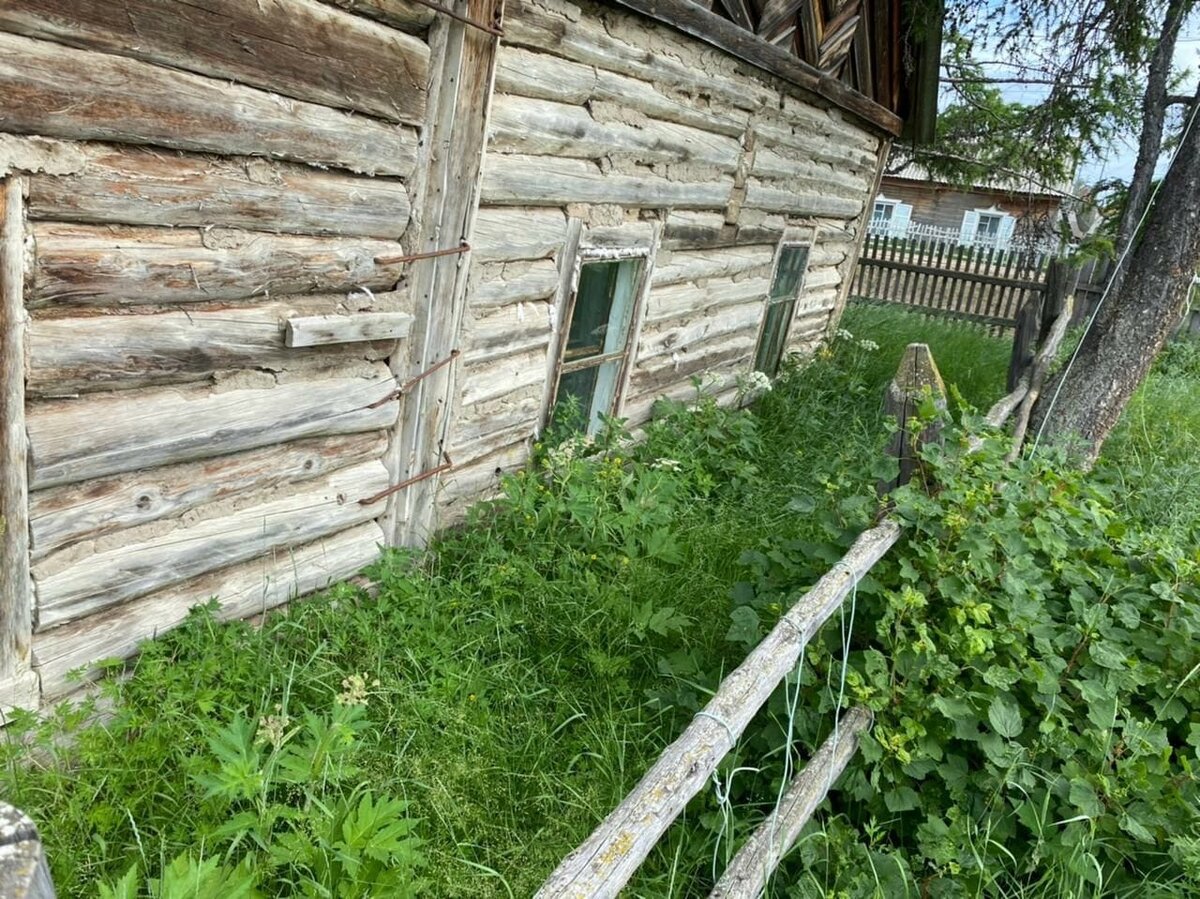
(1033,664)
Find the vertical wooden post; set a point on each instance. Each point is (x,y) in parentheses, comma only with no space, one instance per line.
(18,683)
(24,873)
(454,138)
(916,378)
(1025,338)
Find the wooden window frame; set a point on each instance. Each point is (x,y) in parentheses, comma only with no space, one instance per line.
(794,298)
(642,255)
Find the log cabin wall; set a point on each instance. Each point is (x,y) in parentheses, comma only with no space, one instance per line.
(195,176)
(612,124)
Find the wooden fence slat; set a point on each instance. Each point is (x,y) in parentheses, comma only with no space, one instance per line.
(748,873)
(603,864)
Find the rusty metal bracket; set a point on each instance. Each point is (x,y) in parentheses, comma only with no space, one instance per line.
(490,29)
(396,488)
(413,257)
(413,381)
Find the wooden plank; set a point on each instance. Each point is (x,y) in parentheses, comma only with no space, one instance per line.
(18,685)
(965,275)
(61,516)
(136,563)
(121,352)
(747,875)
(323,330)
(24,873)
(545,128)
(82,265)
(76,440)
(58,91)
(603,864)
(456,134)
(533,180)
(133,186)
(247,589)
(298,48)
(726,36)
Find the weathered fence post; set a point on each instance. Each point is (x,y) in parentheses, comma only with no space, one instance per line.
(24,873)
(1025,339)
(916,378)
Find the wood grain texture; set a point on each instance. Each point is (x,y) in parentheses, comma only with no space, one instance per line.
(602,865)
(679,267)
(298,48)
(773,199)
(242,590)
(135,186)
(116,266)
(90,353)
(17,685)
(505,233)
(698,301)
(546,180)
(148,562)
(77,440)
(58,91)
(61,516)
(514,284)
(326,330)
(402,14)
(24,873)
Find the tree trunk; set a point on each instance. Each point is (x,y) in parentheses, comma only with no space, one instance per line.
(1154,108)
(1085,400)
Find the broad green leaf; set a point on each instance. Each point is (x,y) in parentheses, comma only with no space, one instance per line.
(1005,717)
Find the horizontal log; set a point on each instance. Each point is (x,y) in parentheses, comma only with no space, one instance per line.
(544,128)
(132,186)
(517,283)
(516,412)
(110,266)
(722,386)
(403,14)
(324,330)
(76,440)
(530,180)
(506,234)
(747,875)
(821,278)
(543,76)
(61,516)
(691,230)
(493,379)
(152,561)
(645,97)
(721,263)
(121,352)
(691,301)
(808,174)
(585,40)
(479,479)
(668,369)
(507,330)
(760,196)
(298,48)
(58,91)
(604,862)
(794,138)
(745,319)
(242,590)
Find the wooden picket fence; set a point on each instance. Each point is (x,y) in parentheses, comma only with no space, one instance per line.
(973,283)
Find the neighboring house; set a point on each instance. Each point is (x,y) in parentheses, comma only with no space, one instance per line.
(996,214)
(284,282)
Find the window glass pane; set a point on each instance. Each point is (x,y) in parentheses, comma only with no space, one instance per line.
(989,226)
(593,308)
(774,337)
(576,389)
(789,272)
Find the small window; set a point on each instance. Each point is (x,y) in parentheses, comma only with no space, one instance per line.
(988,228)
(597,325)
(882,213)
(781,304)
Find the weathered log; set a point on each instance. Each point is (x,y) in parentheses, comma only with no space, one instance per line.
(643,96)
(511,329)
(18,685)
(916,378)
(324,330)
(58,91)
(153,558)
(602,865)
(527,282)
(543,128)
(479,479)
(24,873)
(402,14)
(703,264)
(747,875)
(61,516)
(494,378)
(821,277)
(672,337)
(298,48)
(812,135)
(796,170)
(760,196)
(126,185)
(75,440)
(242,590)
(506,234)
(97,266)
(516,412)
(121,352)
(723,353)
(692,300)
(585,40)
(1038,373)
(691,230)
(543,76)
(530,180)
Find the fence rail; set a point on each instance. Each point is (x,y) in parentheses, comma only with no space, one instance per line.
(979,284)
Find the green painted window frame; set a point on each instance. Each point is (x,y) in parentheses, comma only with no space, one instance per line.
(780,308)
